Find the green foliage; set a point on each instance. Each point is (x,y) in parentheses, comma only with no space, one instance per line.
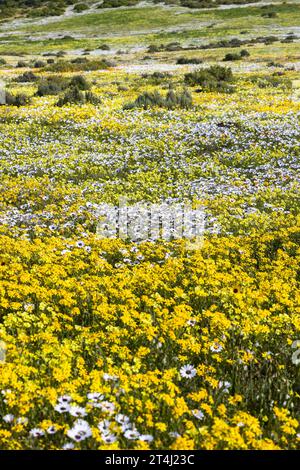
(17,100)
(156,78)
(118,3)
(104,47)
(153,48)
(27,77)
(172,100)
(277,80)
(189,60)
(74,95)
(173,46)
(231,56)
(214,78)
(21,64)
(51,86)
(39,64)
(79,7)
(80,82)
(244,53)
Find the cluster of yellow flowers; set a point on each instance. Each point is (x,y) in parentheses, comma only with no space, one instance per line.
(113,344)
(172,349)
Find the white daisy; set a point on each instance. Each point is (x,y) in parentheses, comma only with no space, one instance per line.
(131,434)
(188,371)
(62,407)
(198,414)
(80,431)
(68,446)
(51,430)
(36,432)
(216,348)
(107,406)
(224,385)
(109,377)
(77,411)
(64,399)
(22,420)
(95,396)
(104,425)
(8,418)
(146,437)
(122,419)
(108,438)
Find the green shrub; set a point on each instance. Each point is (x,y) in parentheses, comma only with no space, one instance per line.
(272,81)
(39,64)
(153,48)
(51,86)
(214,78)
(244,53)
(79,7)
(17,100)
(92,98)
(104,47)
(80,82)
(172,100)
(156,78)
(118,3)
(72,96)
(181,100)
(21,64)
(75,96)
(191,60)
(27,77)
(230,56)
(173,46)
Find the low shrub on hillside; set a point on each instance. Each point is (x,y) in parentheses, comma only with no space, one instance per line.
(214,78)
(74,95)
(39,64)
(80,82)
(21,64)
(79,7)
(231,56)
(156,78)
(118,3)
(17,100)
(27,77)
(277,80)
(172,100)
(52,86)
(189,60)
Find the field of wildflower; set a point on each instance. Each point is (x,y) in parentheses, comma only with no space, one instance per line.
(118,344)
